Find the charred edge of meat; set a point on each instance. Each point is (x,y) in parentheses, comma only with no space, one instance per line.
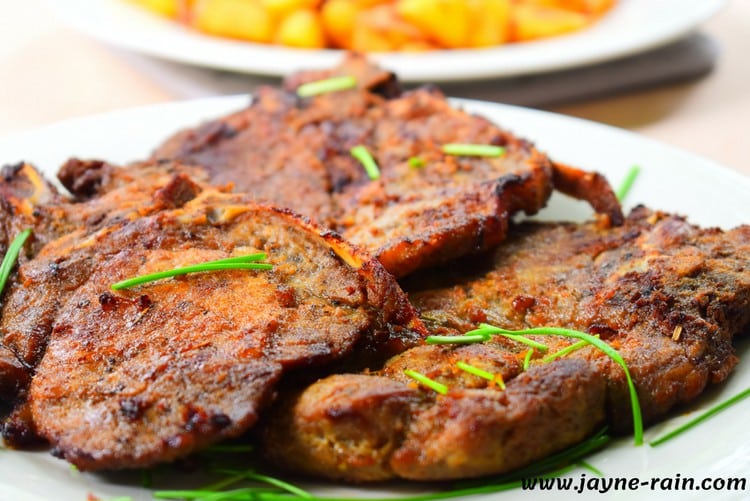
(369,77)
(83,178)
(591,187)
(365,428)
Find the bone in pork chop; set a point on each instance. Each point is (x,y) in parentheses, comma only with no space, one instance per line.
(130,378)
(667,295)
(295,152)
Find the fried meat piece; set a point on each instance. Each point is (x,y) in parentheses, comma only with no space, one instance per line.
(362,428)
(144,375)
(29,201)
(667,295)
(295,152)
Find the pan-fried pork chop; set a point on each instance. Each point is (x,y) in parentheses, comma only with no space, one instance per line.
(144,375)
(295,152)
(667,295)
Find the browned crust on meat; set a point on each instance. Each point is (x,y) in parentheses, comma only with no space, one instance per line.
(366,428)
(410,218)
(667,295)
(342,426)
(166,368)
(632,285)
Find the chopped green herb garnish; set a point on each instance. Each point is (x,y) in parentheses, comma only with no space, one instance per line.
(565,351)
(233,263)
(476,371)
(487,329)
(416,162)
(607,350)
(332,84)
(362,154)
(552,466)
(627,183)
(713,410)
(527,358)
(473,150)
(11,256)
(596,471)
(438,387)
(243,493)
(265,479)
(467,339)
(481,334)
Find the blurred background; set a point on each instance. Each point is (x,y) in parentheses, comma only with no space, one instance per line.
(691,92)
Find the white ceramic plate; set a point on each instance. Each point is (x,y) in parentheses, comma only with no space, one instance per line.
(671,180)
(631,27)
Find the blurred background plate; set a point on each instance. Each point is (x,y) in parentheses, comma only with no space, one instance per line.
(631,27)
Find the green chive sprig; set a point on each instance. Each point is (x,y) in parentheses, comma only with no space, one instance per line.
(476,371)
(593,469)
(266,479)
(249,262)
(554,465)
(699,419)
(11,256)
(490,330)
(485,330)
(473,150)
(430,383)
(607,350)
(327,85)
(465,339)
(416,162)
(565,351)
(627,183)
(361,153)
(527,358)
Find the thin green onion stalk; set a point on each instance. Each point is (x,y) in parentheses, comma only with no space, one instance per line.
(361,153)
(430,383)
(596,471)
(416,162)
(527,358)
(473,150)
(267,488)
(484,330)
(249,262)
(475,371)
(699,419)
(565,351)
(11,256)
(327,85)
(627,182)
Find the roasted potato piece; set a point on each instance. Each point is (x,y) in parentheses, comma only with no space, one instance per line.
(167,8)
(281,9)
(382,27)
(339,18)
(529,22)
(302,28)
(490,22)
(591,7)
(243,19)
(444,21)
